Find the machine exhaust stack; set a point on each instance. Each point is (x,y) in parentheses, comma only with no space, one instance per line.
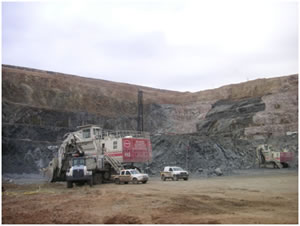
(140,119)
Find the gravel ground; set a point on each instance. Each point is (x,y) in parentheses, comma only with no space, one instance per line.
(264,196)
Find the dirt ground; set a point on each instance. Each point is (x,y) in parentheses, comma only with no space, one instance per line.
(268,196)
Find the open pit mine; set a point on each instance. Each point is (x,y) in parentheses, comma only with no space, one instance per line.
(237,146)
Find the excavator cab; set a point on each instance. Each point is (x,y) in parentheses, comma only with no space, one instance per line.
(90,132)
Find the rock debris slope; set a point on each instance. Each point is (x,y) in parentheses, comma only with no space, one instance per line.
(202,131)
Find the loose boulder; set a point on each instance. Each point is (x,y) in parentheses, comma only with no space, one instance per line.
(218,171)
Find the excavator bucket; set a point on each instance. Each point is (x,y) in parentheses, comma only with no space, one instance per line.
(49,172)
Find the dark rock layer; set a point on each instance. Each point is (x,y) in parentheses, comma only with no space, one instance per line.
(230,118)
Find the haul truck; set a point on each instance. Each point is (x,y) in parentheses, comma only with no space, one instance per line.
(105,153)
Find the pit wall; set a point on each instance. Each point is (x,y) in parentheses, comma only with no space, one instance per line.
(202,155)
(39,107)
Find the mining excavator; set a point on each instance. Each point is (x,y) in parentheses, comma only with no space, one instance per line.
(266,156)
(101,153)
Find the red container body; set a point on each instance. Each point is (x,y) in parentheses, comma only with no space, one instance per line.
(136,150)
(286,156)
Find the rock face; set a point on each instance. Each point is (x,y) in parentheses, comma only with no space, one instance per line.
(194,152)
(230,117)
(204,154)
(39,107)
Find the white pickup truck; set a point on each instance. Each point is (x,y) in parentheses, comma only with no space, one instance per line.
(131,175)
(174,173)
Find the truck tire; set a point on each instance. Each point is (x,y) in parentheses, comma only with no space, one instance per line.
(163,178)
(186,178)
(69,184)
(144,182)
(97,178)
(284,165)
(175,178)
(134,180)
(117,181)
(90,182)
(106,176)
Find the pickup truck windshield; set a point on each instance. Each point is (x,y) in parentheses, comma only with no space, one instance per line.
(177,169)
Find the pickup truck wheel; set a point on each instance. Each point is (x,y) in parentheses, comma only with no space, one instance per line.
(134,180)
(163,178)
(176,178)
(144,182)
(117,181)
(186,178)
(69,184)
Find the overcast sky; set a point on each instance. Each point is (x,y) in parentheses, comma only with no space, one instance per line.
(178,45)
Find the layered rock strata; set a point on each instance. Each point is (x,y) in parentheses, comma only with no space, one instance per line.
(39,107)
